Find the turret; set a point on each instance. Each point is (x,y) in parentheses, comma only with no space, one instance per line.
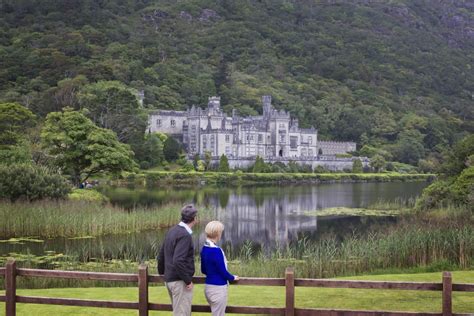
(214,103)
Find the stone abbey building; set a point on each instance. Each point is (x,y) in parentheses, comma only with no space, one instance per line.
(274,135)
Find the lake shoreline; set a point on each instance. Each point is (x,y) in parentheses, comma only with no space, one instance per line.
(239,178)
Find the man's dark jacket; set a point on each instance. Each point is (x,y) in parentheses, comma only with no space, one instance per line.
(176,258)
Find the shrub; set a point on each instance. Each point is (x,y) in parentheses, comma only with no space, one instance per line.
(29,182)
(188,166)
(320,169)
(201,166)
(89,195)
(144,165)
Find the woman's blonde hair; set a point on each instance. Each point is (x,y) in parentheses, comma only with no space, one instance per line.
(214,229)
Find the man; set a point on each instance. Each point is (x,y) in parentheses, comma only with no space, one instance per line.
(176,262)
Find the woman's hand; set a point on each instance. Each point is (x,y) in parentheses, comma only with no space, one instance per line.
(236,278)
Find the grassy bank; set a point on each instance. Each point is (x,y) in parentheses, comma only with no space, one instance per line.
(152,177)
(46,219)
(419,301)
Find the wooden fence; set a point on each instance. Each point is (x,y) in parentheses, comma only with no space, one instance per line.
(10,272)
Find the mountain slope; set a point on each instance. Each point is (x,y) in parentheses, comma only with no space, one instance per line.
(392,74)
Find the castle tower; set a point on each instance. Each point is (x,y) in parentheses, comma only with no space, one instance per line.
(214,103)
(267,105)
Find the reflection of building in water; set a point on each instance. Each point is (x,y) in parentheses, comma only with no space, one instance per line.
(272,215)
(274,222)
(275,216)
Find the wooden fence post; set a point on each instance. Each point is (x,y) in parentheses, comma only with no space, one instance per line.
(290,292)
(447,294)
(10,288)
(143,290)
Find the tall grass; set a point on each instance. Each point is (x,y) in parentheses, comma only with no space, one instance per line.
(415,242)
(47,219)
(425,248)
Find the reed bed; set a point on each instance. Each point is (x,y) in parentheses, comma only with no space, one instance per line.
(47,219)
(423,246)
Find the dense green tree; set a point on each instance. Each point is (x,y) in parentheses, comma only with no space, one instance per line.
(207,159)
(171,149)
(259,165)
(150,154)
(377,162)
(223,164)
(112,105)
(14,120)
(81,149)
(456,184)
(357,166)
(457,158)
(409,147)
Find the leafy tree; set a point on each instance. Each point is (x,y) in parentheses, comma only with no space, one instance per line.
(409,148)
(171,149)
(456,185)
(357,166)
(112,105)
(14,119)
(81,149)
(377,162)
(224,164)
(456,160)
(151,152)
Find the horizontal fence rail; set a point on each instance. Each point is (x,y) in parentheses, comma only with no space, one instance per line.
(143,305)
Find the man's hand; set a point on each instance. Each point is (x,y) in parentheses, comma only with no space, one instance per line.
(236,278)
(190,286)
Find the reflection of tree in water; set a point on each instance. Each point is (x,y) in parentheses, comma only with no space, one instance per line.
(223,197)
(259,196)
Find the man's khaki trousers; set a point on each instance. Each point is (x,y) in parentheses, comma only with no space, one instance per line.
(181,298)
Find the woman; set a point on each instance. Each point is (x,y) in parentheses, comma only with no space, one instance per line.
(214,266)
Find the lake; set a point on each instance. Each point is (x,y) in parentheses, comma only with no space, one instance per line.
(269,216)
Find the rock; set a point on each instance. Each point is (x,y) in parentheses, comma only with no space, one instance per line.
(186,16)
(156,17)
(208,15)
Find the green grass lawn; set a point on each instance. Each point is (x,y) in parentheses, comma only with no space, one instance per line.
(423,301)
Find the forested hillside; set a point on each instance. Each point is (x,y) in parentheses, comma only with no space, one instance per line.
(395,76)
